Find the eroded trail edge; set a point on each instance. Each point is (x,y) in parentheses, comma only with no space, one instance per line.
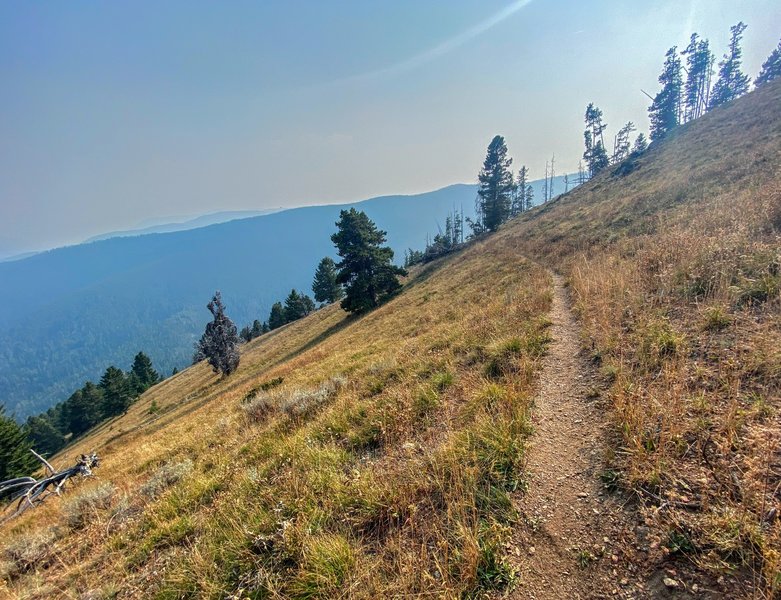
(568,538)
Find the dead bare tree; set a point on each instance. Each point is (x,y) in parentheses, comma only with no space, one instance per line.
(27,492)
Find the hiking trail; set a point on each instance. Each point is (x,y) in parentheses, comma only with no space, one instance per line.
(568,539)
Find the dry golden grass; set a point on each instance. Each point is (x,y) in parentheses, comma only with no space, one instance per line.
(676,274)
(376,463)
(394,482)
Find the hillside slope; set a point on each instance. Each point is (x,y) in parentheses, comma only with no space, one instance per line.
(380,465)
(675,270)
(384,456)
(74,311)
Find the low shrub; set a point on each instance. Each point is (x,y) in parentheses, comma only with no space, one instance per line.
(166,476)
(28,551)
(82,508)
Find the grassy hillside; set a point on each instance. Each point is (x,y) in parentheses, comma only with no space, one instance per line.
(379,466)
(379,458)
(676,270)
(74,311)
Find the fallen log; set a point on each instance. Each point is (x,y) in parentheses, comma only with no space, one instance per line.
(28,492)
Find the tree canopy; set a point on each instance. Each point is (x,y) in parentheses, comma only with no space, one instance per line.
(366,269)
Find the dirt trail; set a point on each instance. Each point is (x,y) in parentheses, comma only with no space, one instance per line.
(566,541)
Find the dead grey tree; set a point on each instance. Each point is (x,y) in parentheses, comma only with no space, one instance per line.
(27,492)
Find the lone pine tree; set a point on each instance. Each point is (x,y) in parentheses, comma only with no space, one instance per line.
(219,344)
(325,286)
(366,269)
(496,186)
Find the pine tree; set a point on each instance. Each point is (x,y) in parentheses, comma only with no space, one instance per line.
(246,333)
(117,394)
(641,144)
(529,197)
(325,286)
(366,269)
(771,68)
(595,154)
(45,437)
(143,372)
(257,329)
(621,144)
(220,341)
(523,192)
(699,71)
(665,111)
(83,410)
(297,306)
(732,82)
(496,185)
(276,318)
(15,457)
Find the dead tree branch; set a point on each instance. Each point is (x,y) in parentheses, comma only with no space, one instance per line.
(27,492)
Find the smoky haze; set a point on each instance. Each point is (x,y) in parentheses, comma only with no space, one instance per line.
(118,113)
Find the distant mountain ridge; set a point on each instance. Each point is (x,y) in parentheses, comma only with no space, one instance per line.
(73,311)
(190,223)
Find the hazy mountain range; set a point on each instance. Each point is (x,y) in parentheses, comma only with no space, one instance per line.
(71,312)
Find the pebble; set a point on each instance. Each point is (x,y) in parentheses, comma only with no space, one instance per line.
(670,582)
(583,495)
(532,550)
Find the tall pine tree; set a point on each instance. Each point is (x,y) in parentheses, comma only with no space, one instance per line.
(699,71)
(665,111)
(523,196)
(732,82)
(219,344)
(83,410)
(771,68)
(494,193)
(366,270)
(297,306)
(595,154)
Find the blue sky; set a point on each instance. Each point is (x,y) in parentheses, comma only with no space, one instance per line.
(114,113)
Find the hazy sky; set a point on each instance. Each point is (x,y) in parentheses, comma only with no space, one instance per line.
(113,113)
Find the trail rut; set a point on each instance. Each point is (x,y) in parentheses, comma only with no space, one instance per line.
(565,545)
